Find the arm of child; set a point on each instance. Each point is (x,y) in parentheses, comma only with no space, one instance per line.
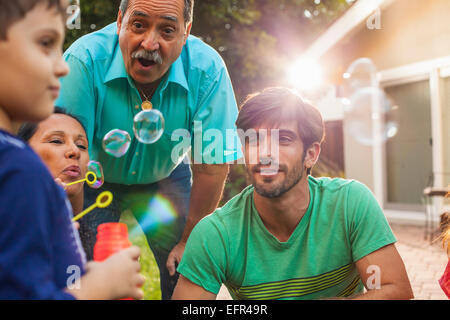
(96,283)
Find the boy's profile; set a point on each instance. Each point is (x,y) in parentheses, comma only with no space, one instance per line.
(40,248)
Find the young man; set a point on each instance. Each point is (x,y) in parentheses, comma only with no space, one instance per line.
(290,235)
(41,255)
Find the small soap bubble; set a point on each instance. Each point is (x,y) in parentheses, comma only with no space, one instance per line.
(148,126)
(360,74)
(116,143)
(370,116)
(97,169)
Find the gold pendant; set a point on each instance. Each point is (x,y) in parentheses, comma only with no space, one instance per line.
(146,105)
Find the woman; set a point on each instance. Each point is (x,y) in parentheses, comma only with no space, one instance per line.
(61,142)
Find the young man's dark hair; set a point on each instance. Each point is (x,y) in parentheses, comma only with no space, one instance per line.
(277,105)
(14,10)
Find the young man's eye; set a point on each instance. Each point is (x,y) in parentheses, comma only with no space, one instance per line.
(285,139)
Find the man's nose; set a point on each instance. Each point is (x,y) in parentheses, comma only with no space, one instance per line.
(151,41)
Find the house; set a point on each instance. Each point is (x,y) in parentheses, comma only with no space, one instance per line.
(408,42)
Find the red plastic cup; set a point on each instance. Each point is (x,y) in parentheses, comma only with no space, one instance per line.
(111,238)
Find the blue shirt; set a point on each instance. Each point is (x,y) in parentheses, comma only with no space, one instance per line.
(41,252)
(195,97)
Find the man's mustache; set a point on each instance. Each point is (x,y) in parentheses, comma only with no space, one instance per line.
(148,55)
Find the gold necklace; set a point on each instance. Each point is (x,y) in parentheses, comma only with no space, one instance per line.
(146,105)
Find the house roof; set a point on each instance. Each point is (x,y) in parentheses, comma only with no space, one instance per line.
(354,17)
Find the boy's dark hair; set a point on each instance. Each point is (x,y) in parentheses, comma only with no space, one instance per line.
(277,105)
(12,11)
(188,9)
(28,129)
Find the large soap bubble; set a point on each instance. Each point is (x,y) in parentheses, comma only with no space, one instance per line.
(148,126)
(370,116)
(116,143)
(360,74)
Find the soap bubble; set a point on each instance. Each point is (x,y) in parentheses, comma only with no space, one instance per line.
(148,126)
(116,143)
(370,116)
(97,169)
(360,74)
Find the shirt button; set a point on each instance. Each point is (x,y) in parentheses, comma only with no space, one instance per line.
(136,107)
(137,153)
(133,173)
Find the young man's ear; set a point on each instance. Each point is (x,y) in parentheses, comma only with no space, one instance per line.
(312,155)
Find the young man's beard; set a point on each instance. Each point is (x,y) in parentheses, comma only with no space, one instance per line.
(292,178)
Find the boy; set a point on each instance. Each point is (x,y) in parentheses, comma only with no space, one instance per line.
(41,255)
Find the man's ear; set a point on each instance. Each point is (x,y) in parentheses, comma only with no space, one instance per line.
(312,155)
(119,21)
(188,32)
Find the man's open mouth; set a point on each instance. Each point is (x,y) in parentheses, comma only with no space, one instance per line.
(146,62)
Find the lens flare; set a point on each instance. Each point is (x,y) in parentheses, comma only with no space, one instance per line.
(156,215)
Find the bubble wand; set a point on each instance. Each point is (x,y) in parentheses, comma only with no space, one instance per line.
(89,182)
(103,200)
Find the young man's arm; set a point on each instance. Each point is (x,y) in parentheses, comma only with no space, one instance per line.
(187,290)
(384,275)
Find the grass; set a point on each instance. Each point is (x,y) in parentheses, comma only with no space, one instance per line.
(149,268)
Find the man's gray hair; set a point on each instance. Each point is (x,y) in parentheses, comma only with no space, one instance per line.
(188,9)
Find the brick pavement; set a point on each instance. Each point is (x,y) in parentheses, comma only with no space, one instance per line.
(424,262)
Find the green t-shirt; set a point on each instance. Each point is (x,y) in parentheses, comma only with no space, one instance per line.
(232,246)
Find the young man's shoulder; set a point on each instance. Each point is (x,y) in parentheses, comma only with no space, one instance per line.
(328,184)
(232,212)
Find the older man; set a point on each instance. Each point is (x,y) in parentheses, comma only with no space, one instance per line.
(148,58)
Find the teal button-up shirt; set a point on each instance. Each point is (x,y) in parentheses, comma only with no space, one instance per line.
(195,97)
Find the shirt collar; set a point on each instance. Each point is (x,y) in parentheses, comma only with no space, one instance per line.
(117,70)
